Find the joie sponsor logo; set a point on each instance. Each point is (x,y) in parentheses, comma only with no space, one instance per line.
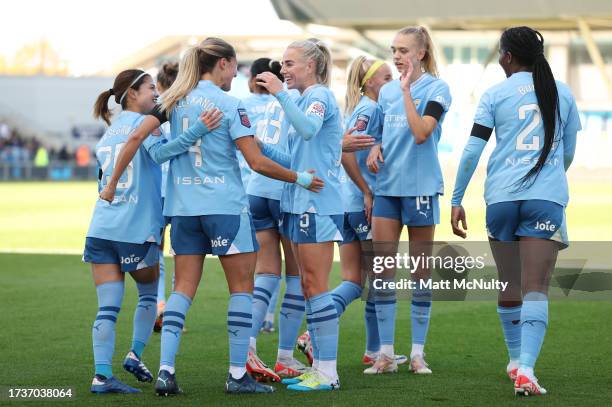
(130,260)
(219,242)
(549,227)
(362,228)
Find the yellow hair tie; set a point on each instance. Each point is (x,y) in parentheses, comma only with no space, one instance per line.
(372,70)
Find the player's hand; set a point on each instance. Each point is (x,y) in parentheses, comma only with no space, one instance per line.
(355,142)
(108,193)
(374,158)
(458,215)
(269,81)
(405,77)
(368,202)
(211,118)
(306,179)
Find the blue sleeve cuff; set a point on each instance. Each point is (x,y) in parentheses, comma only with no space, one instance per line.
(467,166)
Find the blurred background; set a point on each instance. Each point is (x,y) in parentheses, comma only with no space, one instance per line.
(56,57)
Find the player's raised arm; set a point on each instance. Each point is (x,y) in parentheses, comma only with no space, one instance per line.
(421,126)
(307,124)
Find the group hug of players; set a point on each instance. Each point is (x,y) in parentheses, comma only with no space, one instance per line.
(318,177)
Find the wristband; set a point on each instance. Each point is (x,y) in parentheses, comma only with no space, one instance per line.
(304,179)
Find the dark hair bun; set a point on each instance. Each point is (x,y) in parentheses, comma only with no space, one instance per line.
(266,65)
(170,68)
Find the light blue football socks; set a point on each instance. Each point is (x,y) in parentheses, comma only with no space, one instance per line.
(110,297)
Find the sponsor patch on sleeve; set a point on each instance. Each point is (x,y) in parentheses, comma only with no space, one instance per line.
(362,122)
(244,118)
(442,101)
(316,109)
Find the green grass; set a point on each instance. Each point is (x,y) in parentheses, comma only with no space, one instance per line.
(49,304)
(54,216)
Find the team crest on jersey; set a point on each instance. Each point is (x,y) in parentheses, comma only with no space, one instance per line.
(244,118)
(317,109)
(362,122)
(417,102)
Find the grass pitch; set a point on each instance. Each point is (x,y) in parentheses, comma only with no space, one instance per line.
(49,304)
(54,216)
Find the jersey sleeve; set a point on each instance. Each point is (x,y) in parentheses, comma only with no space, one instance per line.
(361,118)
(152,140)
(318,104)
(377,123)
(381,101)
(572,123)
(570,130)
(441,95)
(240,125)
(368,120)
(306,124)
(485,112)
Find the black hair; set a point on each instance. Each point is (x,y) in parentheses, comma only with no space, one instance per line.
(527,46)
(266,65)
(120,86)
(167,74)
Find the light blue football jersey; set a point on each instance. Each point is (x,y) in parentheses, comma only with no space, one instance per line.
(322,153)
(206,179)
(255,106)
(272,129)
(367,118)
(135,215)
(410,169)
(165,133)
(511,107)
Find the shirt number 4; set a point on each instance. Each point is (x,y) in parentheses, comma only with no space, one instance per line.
(196,147)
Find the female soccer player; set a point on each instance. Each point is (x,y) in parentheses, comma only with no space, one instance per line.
(208,205)
(264,198)
(408,181)
(365,79)
(259,94)
(165,78)
(313,221)
(255,105)
(124,237)
(535,120)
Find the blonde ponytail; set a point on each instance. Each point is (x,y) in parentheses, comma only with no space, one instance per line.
(187,79)
(428,63)
(357,72)
(197,61)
